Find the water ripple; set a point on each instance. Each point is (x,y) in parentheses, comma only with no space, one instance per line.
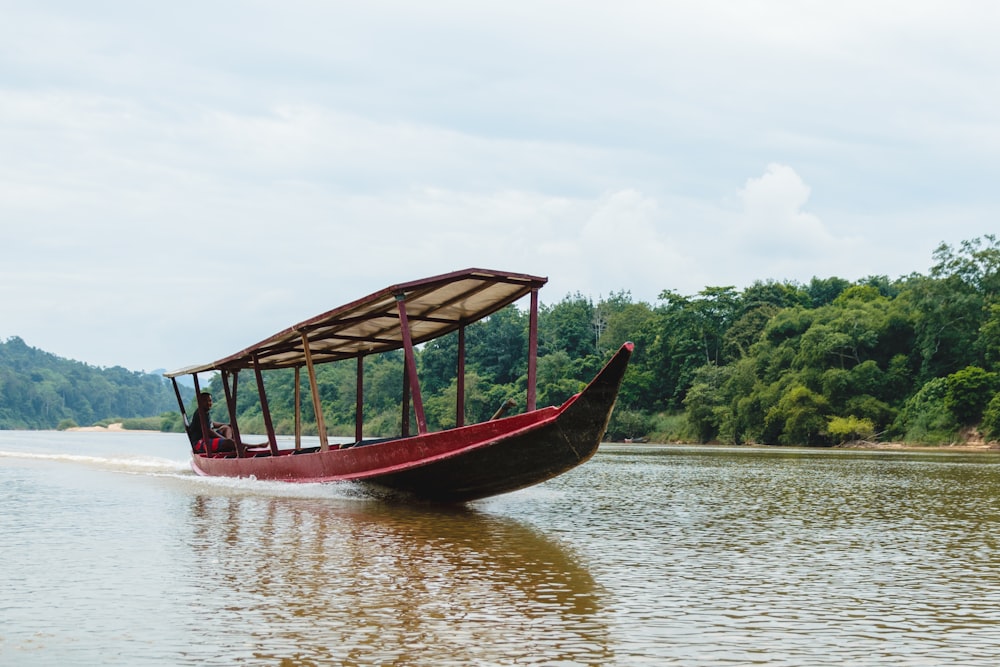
(644,556)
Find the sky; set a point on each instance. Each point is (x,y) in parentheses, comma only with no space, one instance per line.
(180,180)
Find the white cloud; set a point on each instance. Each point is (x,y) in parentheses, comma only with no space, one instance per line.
(773,220)
(616,242)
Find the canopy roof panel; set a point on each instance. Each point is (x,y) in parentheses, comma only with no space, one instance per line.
(434,307)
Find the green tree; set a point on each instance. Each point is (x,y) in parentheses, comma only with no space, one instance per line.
(690,333)
(556,378)
(924,418)
(713,312)
(707,410)
(843,429)
(823,291)
(991,418)
(439,363)
(967,393)
(988,340)
(799,418)
(42,390)
(569,326)
(628,425)
(497,346)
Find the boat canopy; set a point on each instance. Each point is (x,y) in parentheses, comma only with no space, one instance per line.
(376,323)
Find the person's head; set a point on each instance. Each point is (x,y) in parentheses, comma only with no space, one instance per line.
(205,399)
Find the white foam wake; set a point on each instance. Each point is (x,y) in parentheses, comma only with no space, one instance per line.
(140,464)
(180,470)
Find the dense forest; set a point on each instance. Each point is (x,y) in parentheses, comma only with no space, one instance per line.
(39,390)
(913,359)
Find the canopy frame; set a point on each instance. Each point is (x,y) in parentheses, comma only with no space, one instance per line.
(398,317)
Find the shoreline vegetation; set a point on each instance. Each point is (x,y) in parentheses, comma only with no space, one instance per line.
(973,444)
(873,362)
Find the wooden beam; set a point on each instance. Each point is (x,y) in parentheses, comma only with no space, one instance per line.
(231,407)
(264,408)
(411,366)
(180,401)
(359,402)
(532,350)
(298,408)
(460,380)
(405,407)
(324,443)
(202,414)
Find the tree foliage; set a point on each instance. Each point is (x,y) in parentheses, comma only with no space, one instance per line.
(843,429)
(39,390)
(967,393)
(776,362)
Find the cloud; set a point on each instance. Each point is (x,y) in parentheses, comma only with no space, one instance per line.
(268,164)
(773,220)
(616,242)
(775,236)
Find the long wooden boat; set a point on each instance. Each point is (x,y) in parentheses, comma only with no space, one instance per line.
(458,464)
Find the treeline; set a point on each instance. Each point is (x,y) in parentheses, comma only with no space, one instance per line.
(913,359)
(39,390)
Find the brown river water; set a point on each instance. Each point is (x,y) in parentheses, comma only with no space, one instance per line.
(114,553)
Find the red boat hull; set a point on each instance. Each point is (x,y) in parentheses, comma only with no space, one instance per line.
(459,464)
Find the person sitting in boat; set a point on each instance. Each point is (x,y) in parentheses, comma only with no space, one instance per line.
(220,435)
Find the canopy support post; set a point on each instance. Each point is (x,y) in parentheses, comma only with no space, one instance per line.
(180,401)
(411,366)
(231,407)
(460,379)
(405,429)
(298,409)
(265,410)
(202,414)
(324,443)
(532,350)
(359,402)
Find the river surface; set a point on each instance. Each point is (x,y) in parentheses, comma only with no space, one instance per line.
(114,553)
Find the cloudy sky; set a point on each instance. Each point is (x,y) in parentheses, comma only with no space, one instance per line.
(179,180)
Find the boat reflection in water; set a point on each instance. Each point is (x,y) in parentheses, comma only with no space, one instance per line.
(313,581)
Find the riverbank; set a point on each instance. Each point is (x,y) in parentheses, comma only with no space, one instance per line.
(117,426)
(972,446)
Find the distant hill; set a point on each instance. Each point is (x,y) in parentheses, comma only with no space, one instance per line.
(38,390)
